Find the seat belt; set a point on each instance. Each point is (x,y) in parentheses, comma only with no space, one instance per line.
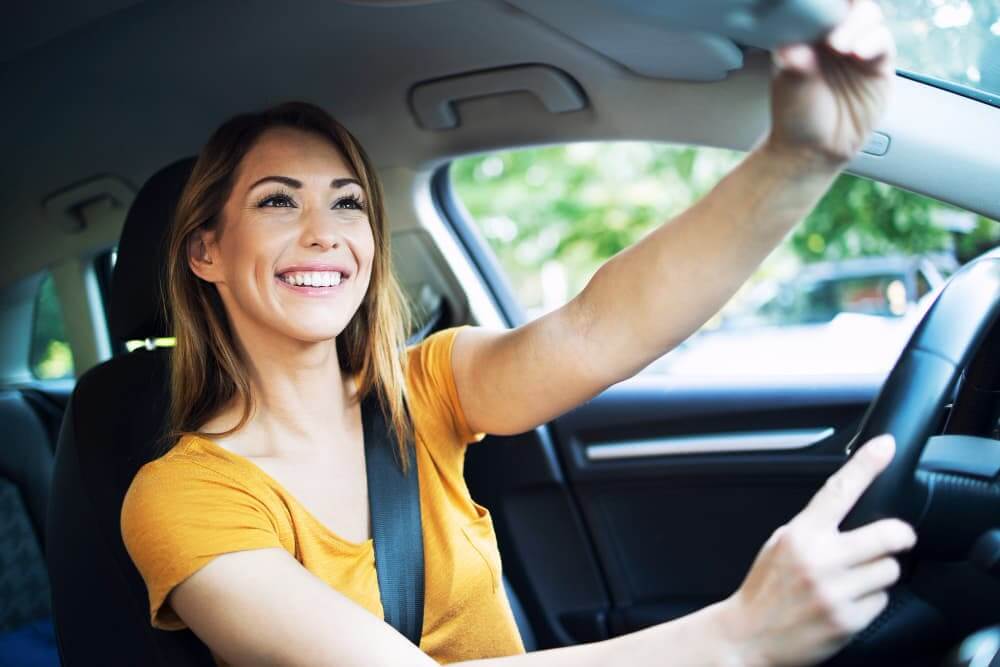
(394,507)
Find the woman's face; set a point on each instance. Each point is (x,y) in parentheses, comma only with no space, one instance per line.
(293,253)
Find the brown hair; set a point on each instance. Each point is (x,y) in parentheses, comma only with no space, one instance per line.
(207,368)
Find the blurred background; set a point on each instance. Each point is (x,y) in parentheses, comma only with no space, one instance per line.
(839,296)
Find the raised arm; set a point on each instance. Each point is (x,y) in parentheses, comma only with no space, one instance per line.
(825,99)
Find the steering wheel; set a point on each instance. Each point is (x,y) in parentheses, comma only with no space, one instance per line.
(909,406)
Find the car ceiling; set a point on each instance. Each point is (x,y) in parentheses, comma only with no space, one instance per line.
(118,89)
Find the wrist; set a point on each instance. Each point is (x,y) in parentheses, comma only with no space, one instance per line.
(801,159)
(734,635)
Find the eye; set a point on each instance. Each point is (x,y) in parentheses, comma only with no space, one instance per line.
(276,200)
(352,201)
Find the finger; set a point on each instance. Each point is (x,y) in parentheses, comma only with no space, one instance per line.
(861,21)
(863,580)
(797,58)
(875,47)
(867,609)
(862,17)
(875,540)
(841,491)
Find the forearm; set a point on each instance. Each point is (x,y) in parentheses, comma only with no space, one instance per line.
(654,294)
(703,638)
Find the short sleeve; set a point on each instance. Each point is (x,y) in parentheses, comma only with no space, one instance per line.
(177,516)
(432,377)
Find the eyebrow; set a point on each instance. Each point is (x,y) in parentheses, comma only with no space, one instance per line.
(297,184)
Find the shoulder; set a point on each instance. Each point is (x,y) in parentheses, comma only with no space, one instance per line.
(434,352)
(184,469)
(431,385)
(183,510)
(187,482)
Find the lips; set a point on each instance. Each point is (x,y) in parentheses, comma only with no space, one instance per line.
(313,279)
(344,272)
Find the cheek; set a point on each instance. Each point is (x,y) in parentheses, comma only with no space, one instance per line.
(249,257)
(364,244)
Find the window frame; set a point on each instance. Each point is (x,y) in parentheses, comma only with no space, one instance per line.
(484,261)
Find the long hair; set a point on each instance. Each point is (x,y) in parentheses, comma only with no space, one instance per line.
(207,368)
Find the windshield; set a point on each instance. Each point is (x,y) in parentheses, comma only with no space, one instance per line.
(955,41)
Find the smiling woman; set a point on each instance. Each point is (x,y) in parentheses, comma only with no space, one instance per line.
(253,529)
(230,180)
(286,315)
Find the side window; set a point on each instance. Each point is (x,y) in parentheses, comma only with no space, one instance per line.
(840,295)
(50,354)
(923,285)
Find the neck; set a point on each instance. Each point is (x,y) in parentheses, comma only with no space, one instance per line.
(301,397)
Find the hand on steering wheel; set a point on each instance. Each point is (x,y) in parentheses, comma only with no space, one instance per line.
(812,586)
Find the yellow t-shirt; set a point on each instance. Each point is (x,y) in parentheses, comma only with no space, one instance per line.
(200,501)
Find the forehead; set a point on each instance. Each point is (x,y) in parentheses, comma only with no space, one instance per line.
(285,151)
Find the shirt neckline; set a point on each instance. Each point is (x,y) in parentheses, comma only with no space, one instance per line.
(255,469)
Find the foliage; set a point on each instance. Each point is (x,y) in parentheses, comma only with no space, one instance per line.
(554,214)
(50,356)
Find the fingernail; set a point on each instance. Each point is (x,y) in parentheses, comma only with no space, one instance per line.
(883,446)
(837,40)
(907,535)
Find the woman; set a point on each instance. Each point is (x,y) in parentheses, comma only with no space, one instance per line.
(253,529)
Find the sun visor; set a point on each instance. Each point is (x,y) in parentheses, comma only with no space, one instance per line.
(690,41)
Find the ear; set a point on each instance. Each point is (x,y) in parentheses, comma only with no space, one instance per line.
(203,255)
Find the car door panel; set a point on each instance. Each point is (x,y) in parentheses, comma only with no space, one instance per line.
(606,540)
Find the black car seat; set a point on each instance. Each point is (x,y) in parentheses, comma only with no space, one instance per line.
(115,415)
(99,601)
(25,479)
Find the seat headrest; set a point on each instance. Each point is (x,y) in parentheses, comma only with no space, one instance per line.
(136,310)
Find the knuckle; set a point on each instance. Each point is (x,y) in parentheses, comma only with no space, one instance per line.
(795,545)
(776,536)
(785,539)
(838,619)
(837,485)
(810,579)
(805,572)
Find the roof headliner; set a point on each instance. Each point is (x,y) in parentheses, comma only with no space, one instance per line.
(124,88)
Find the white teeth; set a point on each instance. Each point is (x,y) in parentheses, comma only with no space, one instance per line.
(313,278)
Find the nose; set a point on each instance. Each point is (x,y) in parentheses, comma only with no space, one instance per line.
(320,232)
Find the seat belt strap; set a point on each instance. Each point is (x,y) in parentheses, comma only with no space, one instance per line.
(394,507)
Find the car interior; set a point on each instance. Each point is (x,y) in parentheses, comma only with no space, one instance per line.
(640,506)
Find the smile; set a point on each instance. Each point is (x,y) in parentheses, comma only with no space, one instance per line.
(311,278)
(311,283)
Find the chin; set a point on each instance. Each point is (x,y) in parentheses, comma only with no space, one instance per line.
(314,332)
